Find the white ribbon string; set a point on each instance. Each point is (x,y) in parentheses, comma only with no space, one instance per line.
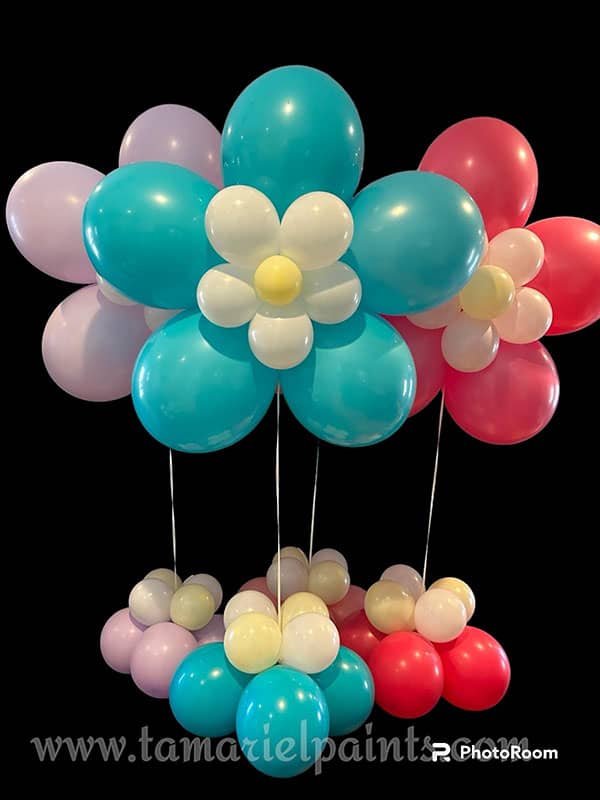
(277,511)
(433,484)
(314,506)
(173,533)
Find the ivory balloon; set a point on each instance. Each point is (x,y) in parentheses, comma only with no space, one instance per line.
(281,337)
(212,584)
(171,578)
(150,601)
(316,230)
(329,581)
(440,615)
(294,577)
(331,294)
(390,607)
(488,294)
(246,602)
(437,317)
(527,319)
(470,345)
(252,642)
(292,552)
(461,589)
(226,295)
(407,577)
(518,251)
(310,643)
(192,606)
(302,603)
(329,554)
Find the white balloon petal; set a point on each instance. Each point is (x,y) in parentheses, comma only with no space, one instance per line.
(331,294)
(470,345)
(527,319)
(437,317)
(316,230)
(155,317)
(112,294)
(519,252)
(226,296)
(310,643)
(281,338)
(242,225)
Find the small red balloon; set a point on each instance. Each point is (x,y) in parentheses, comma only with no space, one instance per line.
(426,348)
(476,670)
(494,162)
(408,675)
(570,274)
(357,633)
(348,605)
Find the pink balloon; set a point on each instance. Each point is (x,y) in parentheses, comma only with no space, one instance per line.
(426,348)
(44,216)
(258,585)
(119,636)
(509,401)
(177,135)
(90,345)
(213,632)
(348,605)
(157,655)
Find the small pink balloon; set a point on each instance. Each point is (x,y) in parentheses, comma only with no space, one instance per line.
(352,602)
(157,655)
(213,632)
(90,345)
(119,636)
(44,216)
(178,135)
(258,585)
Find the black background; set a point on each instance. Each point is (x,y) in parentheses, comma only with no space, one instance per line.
(87,513)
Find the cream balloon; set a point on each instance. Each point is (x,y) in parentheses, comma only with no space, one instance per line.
(253,642)
(437,317)
(329,581)
(150,601)
(329,554)
(155,317)
(469,345)
(113,294)
(192,606)
(242,225)
(440,615)
(407,577)
(488,294)
(171,578)
(461,589)
(331,294)
(310,643)
(302,603)
(518,251)
(226,296)
(527,319)
(294,577)
(281,337)
(248,601)
(316,230)
(292,552)
(390,607)
(212,584)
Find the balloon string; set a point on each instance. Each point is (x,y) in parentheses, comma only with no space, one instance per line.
(277,510)
(173,533)
(433,484)
(314,506)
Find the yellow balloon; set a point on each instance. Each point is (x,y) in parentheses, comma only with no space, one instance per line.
(292,552)
(488,294)
(278,280)
(329,581)
(389,607)
(192,606)
(252,642)
(166,576)
(302,603)
(461,589)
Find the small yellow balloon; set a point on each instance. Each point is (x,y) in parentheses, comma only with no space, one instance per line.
(302,603)
(166,576)
(278,281)
(461,589)
(389,607)
(252,642)
(329,581)
(488,294)
(292,552)
(192,606)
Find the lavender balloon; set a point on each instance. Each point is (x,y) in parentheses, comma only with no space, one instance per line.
(157,655)
(213,632)
(119,636)
(90,345)
(44,216)
(177,135)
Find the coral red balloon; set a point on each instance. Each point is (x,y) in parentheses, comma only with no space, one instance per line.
(426,348)
(509,401)
(258,585)
(476,670)
(494,162)
(570,274)
(348,605)
(408,675)
(357,633)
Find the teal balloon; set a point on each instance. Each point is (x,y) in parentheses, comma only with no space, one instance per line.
(197,387)
(358,384)
(418,238)
(349,691)
(206,690)
(144,232)
(294,130)
(282,722)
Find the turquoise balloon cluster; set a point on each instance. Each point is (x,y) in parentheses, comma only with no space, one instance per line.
(282,717)
(418,237)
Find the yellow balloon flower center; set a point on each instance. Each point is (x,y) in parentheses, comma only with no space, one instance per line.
(278,280)
(489,292)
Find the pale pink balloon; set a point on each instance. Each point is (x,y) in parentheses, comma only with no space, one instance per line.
(90,345)
(178,135)
(519,252)
(469,345)
(348,605)
(214,631)
(258,585)
(119,636)
(437,317)
(44,216)
(527,319)
(157,655)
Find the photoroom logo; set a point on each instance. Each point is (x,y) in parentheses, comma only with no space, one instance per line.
(487,750)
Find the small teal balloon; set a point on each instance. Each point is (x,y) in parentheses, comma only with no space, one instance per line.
(206,690)
(349,691)
(144,232)
(294,130)
(357,386)
(282,722)
(197,387)
(418,238)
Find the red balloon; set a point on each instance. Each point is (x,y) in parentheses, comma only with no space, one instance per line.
(570,274)
(357,633)
(476,670)
(509,401)
(348,605)
(426,349)
(494,162)
(408,675)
